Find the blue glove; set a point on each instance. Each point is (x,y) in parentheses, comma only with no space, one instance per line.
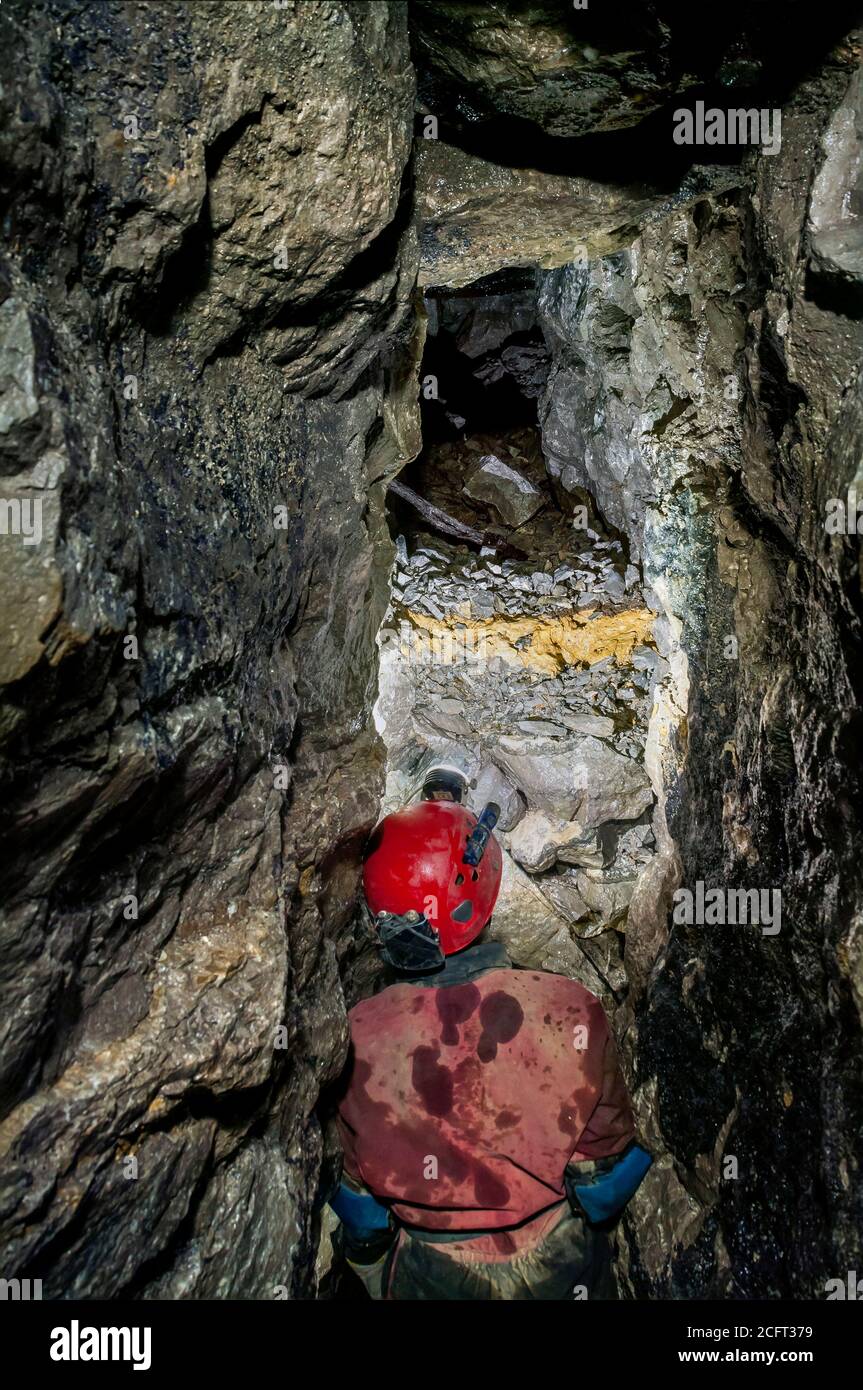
(360,1213)
(602,1188)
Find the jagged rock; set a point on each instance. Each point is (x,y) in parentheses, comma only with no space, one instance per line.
(587,782)
(606,892)
(564,956)
(477,216)
(835,221)
(539,841)
(571,69)
(541,728)
(207,225)
(481,324)
(561,891)
(552,66)
(596,724)
(635,845)
(522,920)
(449,706)
(603,950)
(241,1230)
(433,723)
(512,496)
(534,935)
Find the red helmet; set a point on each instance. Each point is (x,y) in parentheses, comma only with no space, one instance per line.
(414,863)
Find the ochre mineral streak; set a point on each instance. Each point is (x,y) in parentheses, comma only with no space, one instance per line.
(556,641)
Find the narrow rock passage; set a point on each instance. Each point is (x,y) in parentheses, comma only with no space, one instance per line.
(542,667)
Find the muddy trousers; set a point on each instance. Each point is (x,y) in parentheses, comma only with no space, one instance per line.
(572,1261)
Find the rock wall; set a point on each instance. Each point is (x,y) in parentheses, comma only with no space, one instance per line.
(206,366)
(705,388)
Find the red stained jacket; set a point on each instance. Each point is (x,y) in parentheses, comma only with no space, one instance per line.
(471,1091)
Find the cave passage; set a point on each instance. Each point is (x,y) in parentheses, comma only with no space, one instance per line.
(530,654)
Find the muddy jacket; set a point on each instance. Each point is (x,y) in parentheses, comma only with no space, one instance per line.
(471,1091)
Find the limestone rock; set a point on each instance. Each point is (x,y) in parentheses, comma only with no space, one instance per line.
(835,222)
(535,935)
(478,215)
(512,496)
(587,782)
(561,891)
(522,920)
(606,892)
(539,841)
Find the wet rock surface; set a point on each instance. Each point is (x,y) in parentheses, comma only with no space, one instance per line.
(205,227)
(479,213)
(705,388)
(571,69)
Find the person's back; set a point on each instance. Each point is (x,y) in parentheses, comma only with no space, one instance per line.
(467,1098)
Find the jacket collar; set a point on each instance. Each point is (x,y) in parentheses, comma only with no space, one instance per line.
(475,960)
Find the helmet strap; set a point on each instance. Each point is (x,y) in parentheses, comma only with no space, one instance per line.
(409,943)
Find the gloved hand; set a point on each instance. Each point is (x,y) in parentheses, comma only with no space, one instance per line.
(600,1188)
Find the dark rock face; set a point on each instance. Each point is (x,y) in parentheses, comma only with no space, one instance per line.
(571,68)
(479,213)
(770,762)
(206,342)
(705,389)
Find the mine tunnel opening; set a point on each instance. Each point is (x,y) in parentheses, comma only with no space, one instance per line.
(524,646)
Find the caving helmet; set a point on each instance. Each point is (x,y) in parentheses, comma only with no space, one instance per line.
(431,878)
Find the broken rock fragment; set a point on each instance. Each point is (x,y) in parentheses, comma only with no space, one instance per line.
(514,497)
(587,781)
(539,841)
(607,892)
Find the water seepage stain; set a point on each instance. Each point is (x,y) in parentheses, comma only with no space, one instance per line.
(455,1005)
(501,1016)
(431,1081)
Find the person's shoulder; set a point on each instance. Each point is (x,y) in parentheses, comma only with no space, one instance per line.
(391,1000)
(560,989)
